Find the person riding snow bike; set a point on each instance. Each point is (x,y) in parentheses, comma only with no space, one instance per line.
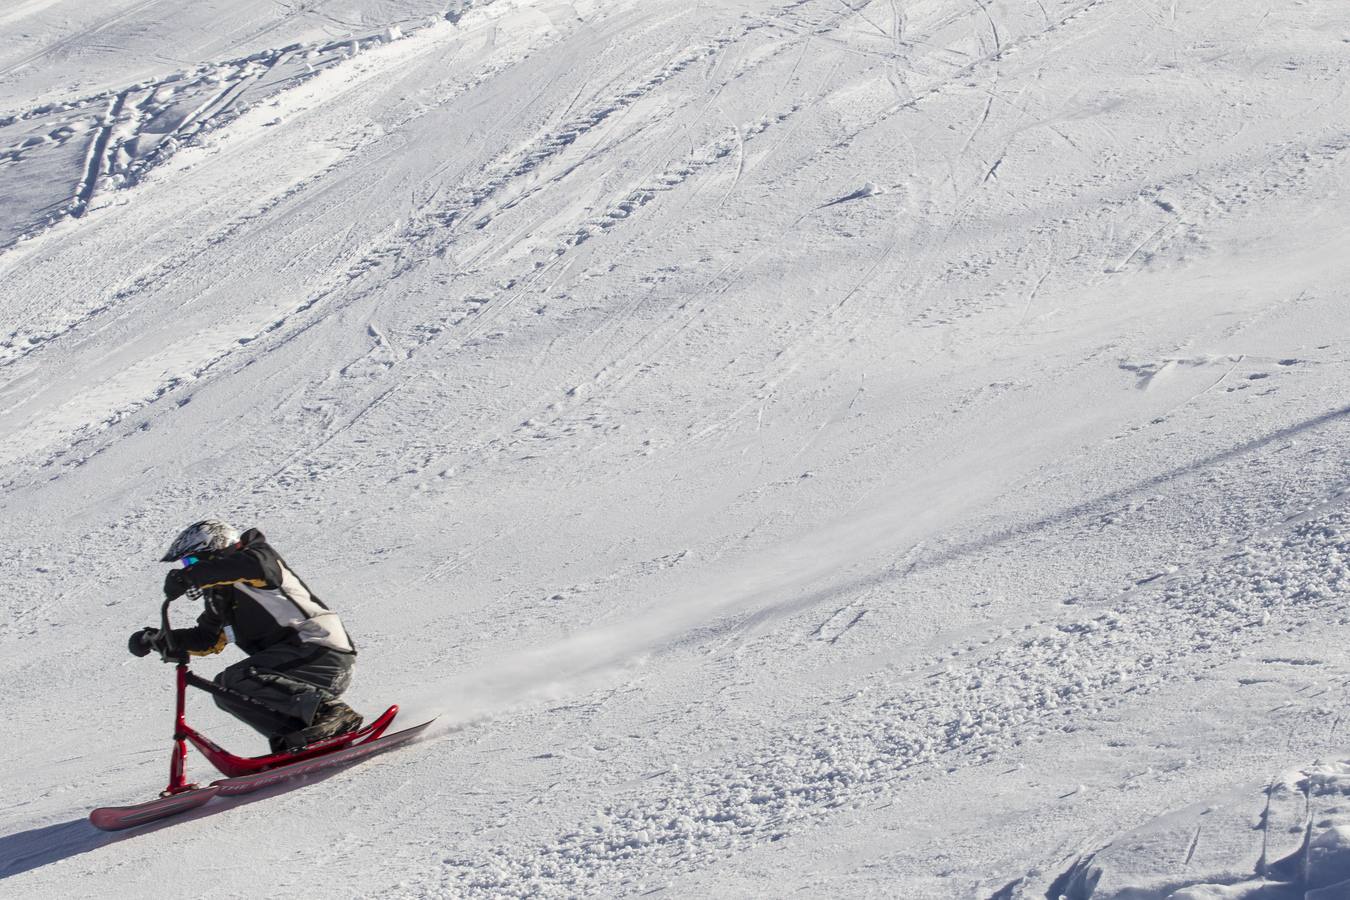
(300,657)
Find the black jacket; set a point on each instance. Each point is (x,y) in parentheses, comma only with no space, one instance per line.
(254,600)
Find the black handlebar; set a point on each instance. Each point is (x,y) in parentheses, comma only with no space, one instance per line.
(170,653)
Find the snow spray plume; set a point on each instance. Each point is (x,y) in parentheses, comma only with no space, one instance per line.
(764,588)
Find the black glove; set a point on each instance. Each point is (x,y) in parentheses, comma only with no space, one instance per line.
(175,584)
(142,642)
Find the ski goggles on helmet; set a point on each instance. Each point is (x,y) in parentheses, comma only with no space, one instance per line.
(190,560)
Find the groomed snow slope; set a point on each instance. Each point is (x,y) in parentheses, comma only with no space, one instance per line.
(824,448)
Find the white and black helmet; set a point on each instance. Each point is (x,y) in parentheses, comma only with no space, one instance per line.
(206,536)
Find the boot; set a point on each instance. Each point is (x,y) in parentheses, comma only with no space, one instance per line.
(333,718)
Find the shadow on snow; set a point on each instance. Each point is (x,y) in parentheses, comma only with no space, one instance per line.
(25,851)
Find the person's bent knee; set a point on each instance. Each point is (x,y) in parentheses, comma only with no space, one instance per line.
(230,681)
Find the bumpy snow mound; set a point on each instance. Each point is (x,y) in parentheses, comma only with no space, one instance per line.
(1289,842)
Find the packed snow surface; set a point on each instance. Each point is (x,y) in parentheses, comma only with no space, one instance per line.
(828,448)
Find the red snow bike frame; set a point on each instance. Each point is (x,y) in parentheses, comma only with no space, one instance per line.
(229,764)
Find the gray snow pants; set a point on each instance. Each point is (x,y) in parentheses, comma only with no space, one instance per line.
(288,679)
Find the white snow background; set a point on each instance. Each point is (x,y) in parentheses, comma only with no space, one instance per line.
(819,448)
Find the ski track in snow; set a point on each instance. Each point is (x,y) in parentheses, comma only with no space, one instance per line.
(139,129)
(434,230)
(129,132)
(438,223)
